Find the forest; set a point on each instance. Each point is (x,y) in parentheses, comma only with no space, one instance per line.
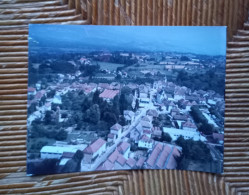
(208,81)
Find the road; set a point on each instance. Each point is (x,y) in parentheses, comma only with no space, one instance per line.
(109,150)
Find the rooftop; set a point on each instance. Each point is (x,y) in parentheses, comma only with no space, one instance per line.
(116,127)
(95,146)
(109,94)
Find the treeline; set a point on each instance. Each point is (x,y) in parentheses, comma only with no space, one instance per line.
(51,166)
(192,150)
(94,113)
(208,81)
(201,121)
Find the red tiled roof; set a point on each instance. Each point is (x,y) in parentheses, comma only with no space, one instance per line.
(95,146)
(123,147)
(145,138)
(116,127)
(107,165)
(131,162)
(163,157)
(113,157)
(140,162)
(154,155)
(189,125)
(121,160)
(180,117)
(171,163)
(109,94)
(145,124)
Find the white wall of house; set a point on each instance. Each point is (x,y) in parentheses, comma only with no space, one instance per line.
(118,133)
(143,144)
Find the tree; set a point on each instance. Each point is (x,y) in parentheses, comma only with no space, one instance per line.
(61,135)
(115,106)
(32,108)
(48,117)
(166,137)
(96,98)
(47,166)
(137,105)
(122,121)
(51,93)
(92,114)
(110,118)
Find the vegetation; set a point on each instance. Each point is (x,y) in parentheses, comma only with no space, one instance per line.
(208,81)
(201,121)
(193,150)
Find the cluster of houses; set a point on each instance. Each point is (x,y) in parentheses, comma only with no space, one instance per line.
(161,97)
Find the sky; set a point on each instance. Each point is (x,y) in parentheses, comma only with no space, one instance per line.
(183,39)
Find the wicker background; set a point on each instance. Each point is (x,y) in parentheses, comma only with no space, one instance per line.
(14,17)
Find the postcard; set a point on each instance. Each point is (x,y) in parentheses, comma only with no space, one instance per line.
(104,98)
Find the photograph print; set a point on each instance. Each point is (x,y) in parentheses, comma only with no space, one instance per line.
(104,98)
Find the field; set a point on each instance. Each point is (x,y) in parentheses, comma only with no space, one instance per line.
(108,65)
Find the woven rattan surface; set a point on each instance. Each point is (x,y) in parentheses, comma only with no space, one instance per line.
(14,17)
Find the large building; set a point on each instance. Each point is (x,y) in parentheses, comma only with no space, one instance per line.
(187,134)
(94,150)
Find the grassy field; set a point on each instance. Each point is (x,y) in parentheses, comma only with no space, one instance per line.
(108,65)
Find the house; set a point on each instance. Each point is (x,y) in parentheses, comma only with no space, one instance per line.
(174,111)
(144,102)
(189,126)
(66,156)
(147,133)
(108,94)
(131,163)
(124,149)
(57,99)
(107,165)
(31,91)
(129,116)
(145,124)
(145,142)
(134,134)
(152,113)
(151,161)
(120,163)
(49,152)
(147,119)
(94,150)
(179,94)
(140,162)
(47,106)
(170,105)
(163,157)
(116,129)
(175,133)
(104,86)
(111,137)
(161,162)
(156,132)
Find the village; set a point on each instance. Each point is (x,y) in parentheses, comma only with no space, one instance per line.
(161,113)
